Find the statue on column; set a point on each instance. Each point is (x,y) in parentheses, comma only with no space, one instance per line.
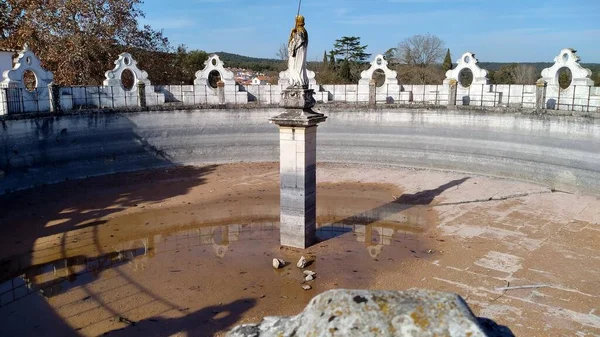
(297,50)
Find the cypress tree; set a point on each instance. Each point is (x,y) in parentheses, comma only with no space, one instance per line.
(447,65)
(345,71)
(331,60)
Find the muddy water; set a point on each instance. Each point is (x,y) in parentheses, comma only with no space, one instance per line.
(196,263)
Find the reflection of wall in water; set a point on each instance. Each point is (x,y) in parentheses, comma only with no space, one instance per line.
(398,217)
(59,276)
(374,238)
(220,237)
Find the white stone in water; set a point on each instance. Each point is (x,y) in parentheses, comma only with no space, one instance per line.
(278,263)
(309,278)
(306,287)
(302,263)
(309,272)
(359,313)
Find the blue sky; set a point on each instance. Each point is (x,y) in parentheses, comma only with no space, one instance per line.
(495,30)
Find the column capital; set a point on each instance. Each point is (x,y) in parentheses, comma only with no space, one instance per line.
(298,118)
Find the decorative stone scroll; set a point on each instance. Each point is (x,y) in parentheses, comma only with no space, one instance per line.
(27,61)
(467,61)
(379,63)
(125,62)
(214,64)
(284,78)
(567,59)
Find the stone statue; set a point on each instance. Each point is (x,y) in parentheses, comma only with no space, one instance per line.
(297,49)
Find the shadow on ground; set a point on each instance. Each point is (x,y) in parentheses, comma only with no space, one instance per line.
(205,322)
(383,212)
(494,330)
(56,211)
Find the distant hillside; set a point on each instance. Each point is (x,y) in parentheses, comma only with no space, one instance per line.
(258,64)
(272,65)
(539,66)
(253,63)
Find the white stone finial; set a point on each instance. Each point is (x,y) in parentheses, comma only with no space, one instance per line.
(125,62)
(467,61)
(214,63)
(27,61)
(568,59)
(379,63)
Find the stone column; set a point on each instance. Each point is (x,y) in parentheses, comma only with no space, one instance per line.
(372,93)
(540,95)
(297,167)
(221,92)
(54,94)
(452,93)
(141,86)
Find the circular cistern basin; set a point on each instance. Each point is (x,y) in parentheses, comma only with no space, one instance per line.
(191,249)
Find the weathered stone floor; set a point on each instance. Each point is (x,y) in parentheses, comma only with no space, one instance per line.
(187,252)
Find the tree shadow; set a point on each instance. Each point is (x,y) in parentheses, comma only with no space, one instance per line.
(402,203)
(40,150)
(205,322)
(492,329)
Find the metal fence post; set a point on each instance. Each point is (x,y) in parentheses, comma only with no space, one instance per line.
(112,97)
(37,99)
(573,100)
(522,96)
(589,97)
(558,99)
(481,98)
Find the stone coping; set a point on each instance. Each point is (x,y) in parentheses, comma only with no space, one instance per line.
(319,108)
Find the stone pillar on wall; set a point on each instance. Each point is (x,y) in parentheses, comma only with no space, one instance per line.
(221,92)
(54,95)
(540,95)
(372,93)
(298,160)
(453,85)
(141,88)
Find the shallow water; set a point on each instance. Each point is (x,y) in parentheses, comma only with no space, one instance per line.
(198,266)
(167,277)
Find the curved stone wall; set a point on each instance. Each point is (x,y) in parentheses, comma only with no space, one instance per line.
(561,152)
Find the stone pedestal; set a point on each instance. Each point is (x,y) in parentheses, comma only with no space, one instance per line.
(298,149)
(372,93)
(540,95)
(452,93)
(141,86)
(221,92)
(54,94)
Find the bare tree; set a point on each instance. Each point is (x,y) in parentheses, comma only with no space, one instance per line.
(411,74)
(419,57)
(282,52)
(421,50)
(524,74)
